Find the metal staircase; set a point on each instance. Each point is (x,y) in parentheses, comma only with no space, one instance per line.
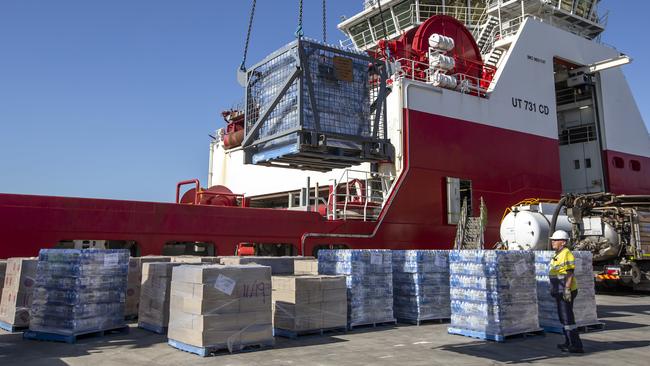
(494,57)
(486,34)
(470,230)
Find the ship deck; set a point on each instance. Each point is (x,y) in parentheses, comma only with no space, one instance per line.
(624,341)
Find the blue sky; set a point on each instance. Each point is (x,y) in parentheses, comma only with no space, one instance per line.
(115,99)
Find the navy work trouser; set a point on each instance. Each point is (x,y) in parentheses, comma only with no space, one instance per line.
(565,313)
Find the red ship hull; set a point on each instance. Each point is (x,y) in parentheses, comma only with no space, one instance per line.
(414,216)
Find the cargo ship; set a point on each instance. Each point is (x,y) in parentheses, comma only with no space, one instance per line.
(431,114)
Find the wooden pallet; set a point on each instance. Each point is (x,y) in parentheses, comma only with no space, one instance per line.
(218,349)
(423,321)
(70,338)
(11,328)
(295,334)
(492,337)
(152,328)
(375,324)
(581,328)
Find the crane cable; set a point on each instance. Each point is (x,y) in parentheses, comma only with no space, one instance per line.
(242,67)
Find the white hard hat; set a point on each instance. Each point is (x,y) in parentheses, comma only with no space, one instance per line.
(560,235)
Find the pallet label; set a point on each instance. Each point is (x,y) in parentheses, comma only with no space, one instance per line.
(225,284)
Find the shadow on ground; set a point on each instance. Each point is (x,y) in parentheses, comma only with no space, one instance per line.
(13,346)
(513,351)
(617,311)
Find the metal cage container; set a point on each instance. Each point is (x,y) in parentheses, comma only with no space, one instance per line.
(315,107)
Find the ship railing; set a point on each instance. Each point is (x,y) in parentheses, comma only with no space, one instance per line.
(504,30)
(420,71)
(358,195)
(397,21)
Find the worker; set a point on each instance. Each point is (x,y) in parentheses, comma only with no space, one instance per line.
(564,289)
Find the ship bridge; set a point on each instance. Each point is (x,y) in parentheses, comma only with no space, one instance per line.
(491,22)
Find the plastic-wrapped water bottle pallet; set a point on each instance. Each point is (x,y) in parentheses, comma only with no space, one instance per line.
(219,348)
(492,337)
(372,324)
(70,338)
(295,334)
(152,328)
(581,328)
(423,321)
(11,328)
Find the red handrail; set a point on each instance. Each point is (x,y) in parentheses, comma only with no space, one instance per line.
(197,188)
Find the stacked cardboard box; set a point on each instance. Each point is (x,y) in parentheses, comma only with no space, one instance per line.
(3,269)
(220,307)
(17,291)
(134,280)
(305,266)
(279,265)
(195,259)
(369,279)
(307,303)
(493,293)
(584,308)
(79,291)
(421,285)
(153,313)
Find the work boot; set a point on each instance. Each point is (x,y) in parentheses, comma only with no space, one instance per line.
(563,346)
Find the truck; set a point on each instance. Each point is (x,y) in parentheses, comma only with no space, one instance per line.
(614,228)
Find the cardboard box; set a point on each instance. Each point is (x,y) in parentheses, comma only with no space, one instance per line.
(3,269)
(134,280)
(221,306)
(305,303)
(305,266)
(17,292)
(279,265)
(155,293)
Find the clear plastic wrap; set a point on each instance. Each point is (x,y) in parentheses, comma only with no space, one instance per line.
(79,291)
(216,307)
(369,280)
(493,292)
(584,308)
(421,285)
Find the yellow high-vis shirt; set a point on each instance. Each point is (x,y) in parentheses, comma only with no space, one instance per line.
(562,262)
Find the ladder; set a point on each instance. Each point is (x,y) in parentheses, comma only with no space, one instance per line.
(486,35)
(470,232)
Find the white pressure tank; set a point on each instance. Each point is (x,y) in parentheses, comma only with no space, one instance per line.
(442,62)
(527,227)
(440,42)
(443,80)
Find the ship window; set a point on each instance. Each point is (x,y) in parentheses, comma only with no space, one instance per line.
(360,34)
(618,162)
(587,163)
(404,14)
(458,190)
(576,164)
(377,26)
(635,165)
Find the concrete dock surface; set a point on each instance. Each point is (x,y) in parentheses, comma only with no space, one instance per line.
(625,340)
